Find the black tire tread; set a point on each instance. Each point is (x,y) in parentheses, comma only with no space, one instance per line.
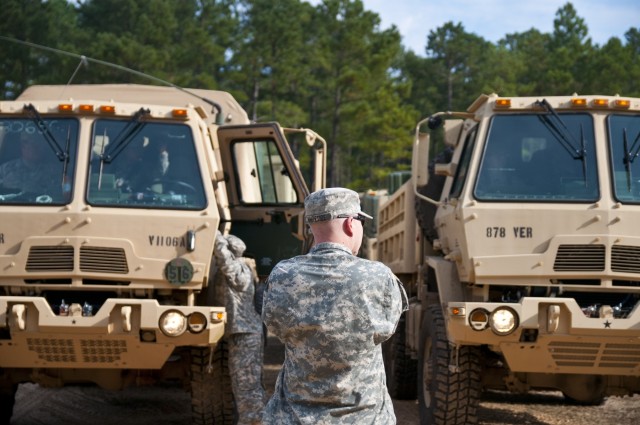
(211,395)
(455,396)
(401,369)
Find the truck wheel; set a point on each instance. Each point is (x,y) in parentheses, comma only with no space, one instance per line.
(399,367)
(584,390)
(445,396)
(211,396)
(594,400)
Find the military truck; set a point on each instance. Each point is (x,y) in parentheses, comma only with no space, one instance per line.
(518,246)
(110,199)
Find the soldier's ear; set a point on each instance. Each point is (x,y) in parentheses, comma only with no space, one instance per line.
(347,226)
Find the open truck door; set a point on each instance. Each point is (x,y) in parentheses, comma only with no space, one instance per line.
(266,191)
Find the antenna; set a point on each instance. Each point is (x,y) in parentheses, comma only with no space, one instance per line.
(84,60)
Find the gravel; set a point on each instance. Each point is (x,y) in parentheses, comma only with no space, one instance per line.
(171,406)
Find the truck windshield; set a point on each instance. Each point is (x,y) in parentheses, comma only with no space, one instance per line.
(155,166)
(624,143)
(525,159)
(37,168)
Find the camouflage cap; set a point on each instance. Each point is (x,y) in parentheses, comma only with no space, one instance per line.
(331,203)
(236,245)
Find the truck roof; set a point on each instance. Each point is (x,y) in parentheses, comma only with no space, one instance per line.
(141,94)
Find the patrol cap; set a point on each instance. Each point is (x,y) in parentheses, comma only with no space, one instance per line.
(332,203)
(236,245)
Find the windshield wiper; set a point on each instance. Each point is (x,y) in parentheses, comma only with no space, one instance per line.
(583,157)
(561,132)
(66,155)
(48,136)
(630,154)
(126,135)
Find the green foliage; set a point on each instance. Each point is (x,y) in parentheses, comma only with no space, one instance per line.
(328,66)
(50,23)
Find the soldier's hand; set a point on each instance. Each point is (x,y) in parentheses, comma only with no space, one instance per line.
(220,243)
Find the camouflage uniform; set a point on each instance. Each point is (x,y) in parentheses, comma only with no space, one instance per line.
(332,310)
(244,328)
(16,174)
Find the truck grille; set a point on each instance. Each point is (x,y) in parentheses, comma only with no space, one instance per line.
(50,258)
(574,258)
(103,260)
(92,259)
(593,354)
(577,258)
(63,350)
(625,259)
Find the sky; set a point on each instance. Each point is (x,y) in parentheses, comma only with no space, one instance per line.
(493,19)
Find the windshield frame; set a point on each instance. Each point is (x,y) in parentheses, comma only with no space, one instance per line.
(620,175)
(50,182)
(536,165)
(157,166)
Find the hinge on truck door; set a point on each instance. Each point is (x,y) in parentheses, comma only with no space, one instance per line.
(454,352)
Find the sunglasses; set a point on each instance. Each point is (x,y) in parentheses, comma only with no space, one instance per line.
(358,217)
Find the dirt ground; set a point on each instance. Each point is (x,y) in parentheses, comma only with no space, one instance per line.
(171,406)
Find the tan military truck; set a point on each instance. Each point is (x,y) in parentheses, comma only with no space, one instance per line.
(520,249)
(110,198)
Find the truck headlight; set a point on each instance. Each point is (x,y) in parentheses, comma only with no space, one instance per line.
(197,322)
(173,323)
(503,321)
(479,319)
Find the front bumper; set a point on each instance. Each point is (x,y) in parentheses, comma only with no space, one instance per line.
(123,334)
(554,336)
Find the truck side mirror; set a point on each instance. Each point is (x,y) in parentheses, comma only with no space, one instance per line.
(452,130)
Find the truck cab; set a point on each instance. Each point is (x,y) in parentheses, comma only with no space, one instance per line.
(110,200)
(523,259)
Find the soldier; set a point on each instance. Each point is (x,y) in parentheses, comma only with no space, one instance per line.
(34,171)
(244,328)
(332,310)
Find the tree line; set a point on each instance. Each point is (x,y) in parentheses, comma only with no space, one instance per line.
(329,66)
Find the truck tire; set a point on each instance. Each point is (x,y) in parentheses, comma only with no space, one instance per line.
(446,397)
(212,399)
(594,400)
(399,367)
(584,390)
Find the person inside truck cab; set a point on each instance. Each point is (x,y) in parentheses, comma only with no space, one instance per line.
(34,171)
(140,166)
(127,166)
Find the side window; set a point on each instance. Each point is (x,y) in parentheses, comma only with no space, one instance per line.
(262,175)
(463,166)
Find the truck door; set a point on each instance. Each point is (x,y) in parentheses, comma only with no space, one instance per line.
(266,192)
